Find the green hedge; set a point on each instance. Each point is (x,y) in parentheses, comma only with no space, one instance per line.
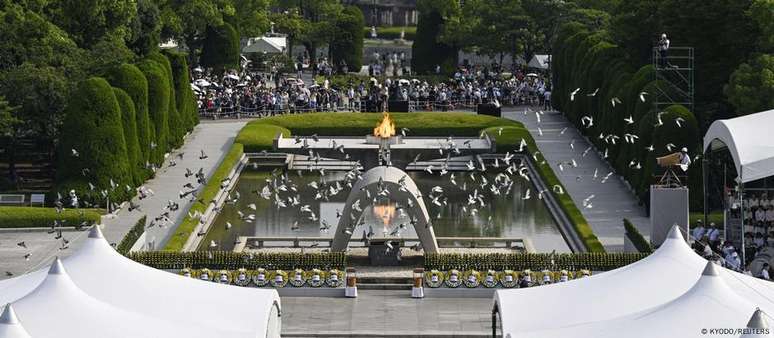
(217,260)
(92,126)
(129,78)
(257,137)
(391,33)
(508,140)
(35,217)
(636,237)
(158,106)
(358,124)
(594,261)
(129,123)
(132,236)
(207,194)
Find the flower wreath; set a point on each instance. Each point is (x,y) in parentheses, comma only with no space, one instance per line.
(260,277)
(204,274)
(434,278)
(242,278)
(298,279)
(334,279)
(186,273)
(509,279)
(454,279)
(224,277)
(279,279)
(490,280)
(472,278)
(316,279)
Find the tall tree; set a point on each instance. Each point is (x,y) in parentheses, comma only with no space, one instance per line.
(88,21)
(145,28)
(429,50)
(347,43)
(751,86)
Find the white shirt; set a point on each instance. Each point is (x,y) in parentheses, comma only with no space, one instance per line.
(765,274)
(760,215)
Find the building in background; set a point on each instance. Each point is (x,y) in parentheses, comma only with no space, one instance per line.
(387,12)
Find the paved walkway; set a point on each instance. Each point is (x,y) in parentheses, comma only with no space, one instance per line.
(385,312)
(612,201)
(215,138)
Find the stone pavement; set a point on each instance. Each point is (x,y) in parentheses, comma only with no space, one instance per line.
(41,246)
(385,313)
(613,200)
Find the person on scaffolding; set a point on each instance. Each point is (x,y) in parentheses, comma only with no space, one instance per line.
(663,49)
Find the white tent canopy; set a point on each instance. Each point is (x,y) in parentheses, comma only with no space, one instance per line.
(97,274)
(539,61)
(748,140)
(266,44)
(10,325)
(640,290)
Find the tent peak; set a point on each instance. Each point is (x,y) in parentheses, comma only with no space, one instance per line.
(9,315)
(95,232)
(710,270)
(56,267)
(757,321)
(675,233)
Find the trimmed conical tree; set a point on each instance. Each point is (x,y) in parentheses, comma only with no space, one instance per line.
(132,81)
(175,122)
(129,121)
(92,148)
(184,96)
(158,105)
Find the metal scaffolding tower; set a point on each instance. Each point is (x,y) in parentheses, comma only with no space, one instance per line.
(674,73)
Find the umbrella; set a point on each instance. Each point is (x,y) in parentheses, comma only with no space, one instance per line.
(202,83)
(195,88)
(233,77)
(198,70)
(404,81)
(532,75)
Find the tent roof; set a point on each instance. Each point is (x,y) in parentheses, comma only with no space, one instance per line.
(664,276)
(539,61)
(266,44)
(10,326)
(104,275)
(747,139)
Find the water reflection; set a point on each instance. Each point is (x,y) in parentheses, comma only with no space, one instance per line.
(504,215)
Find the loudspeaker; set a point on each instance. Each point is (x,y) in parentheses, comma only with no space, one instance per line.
(398,106)
(489,109)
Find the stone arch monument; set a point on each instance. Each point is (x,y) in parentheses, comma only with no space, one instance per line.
(401,189)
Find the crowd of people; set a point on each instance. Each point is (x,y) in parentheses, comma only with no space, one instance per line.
(259,93)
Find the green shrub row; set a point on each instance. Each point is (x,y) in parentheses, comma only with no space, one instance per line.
(206,196)
(132,236)
(586,60)
(36,217)
(509,139)
(392,33)
(636,237)
(595,261)
(117,130)
(228,260)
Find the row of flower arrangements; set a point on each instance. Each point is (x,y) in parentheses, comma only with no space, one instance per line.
(270,278)
(491,278)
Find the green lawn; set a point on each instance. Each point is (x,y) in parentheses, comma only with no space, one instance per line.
(258,135)
(37,217)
